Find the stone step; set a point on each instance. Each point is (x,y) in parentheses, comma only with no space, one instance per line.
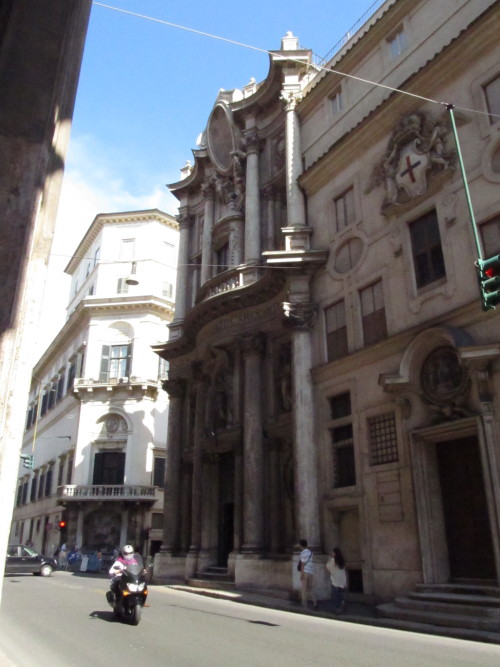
(455,605)
(394,610)
(202,582)
(488,591)
(470,601)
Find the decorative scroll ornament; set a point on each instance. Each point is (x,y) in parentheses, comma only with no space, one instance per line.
(174,388)
(416,153)
(300,316)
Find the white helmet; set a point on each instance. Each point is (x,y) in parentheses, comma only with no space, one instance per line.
(128,551)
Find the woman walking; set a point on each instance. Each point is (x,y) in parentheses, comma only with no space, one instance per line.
(338,576)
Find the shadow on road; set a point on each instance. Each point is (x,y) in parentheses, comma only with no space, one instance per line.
(104,616)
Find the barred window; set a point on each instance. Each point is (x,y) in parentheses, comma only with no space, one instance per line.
(383,439)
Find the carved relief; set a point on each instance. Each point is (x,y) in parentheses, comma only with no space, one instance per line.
(445,383)
(416,153)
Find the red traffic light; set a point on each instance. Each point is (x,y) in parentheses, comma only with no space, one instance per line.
(62,524)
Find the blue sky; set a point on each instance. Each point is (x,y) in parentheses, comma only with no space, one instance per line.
(146,90)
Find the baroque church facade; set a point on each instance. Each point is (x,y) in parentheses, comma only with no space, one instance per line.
(333,375)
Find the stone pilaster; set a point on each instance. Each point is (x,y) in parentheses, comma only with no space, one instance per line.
(171,493)
(253,450)
(181,294)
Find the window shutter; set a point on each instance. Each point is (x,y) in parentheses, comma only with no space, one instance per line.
(104,373)
(129,360)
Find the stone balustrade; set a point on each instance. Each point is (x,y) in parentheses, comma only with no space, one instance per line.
(102,492)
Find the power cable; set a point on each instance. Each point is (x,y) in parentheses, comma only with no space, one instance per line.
(277,56)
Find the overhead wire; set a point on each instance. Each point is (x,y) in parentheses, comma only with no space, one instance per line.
(276,55)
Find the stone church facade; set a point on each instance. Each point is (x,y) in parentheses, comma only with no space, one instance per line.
(333,375)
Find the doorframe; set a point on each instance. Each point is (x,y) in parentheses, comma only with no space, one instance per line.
(428,499)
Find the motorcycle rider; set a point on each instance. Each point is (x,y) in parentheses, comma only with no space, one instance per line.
(128,557)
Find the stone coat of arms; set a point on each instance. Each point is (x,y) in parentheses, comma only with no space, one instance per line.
(417,151)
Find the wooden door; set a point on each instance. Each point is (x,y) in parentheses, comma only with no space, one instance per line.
(465,510)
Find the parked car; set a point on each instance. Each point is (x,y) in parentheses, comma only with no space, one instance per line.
(25,560)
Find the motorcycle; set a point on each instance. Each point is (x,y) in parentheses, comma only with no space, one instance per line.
(128,595)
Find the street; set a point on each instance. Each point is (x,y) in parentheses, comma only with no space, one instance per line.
(65,620)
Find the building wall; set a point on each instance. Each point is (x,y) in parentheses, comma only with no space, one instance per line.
(340,421)
(90,413)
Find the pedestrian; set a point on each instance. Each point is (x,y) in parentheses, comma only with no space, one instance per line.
(338,576)
(61,557)
(307,575)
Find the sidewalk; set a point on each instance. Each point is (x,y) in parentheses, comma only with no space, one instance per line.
(356,612)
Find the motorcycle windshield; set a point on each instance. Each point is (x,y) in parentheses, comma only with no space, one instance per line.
(134,569)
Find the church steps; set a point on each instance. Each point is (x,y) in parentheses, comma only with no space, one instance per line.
(472,606)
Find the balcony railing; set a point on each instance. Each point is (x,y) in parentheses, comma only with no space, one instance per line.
(101,492)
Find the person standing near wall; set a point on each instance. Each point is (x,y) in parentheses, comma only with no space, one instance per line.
(307,575)
(338,576)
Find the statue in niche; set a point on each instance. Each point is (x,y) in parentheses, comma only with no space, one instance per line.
(220,394)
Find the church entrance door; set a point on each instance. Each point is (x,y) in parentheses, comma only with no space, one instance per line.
(226,508)
(466,519)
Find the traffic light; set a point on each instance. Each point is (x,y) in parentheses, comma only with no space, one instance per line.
(488,271)
(62,524)
(28,461)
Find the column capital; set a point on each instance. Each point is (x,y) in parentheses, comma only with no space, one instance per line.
(175,388)
(300,316)
(290,98)
(252,142)
(184,220)
(208,188)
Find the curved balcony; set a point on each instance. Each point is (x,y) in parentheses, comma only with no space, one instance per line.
(103,492)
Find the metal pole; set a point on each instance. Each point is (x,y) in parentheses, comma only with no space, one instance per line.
(466,186)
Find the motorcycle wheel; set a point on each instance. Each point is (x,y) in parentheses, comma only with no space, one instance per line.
(136,614)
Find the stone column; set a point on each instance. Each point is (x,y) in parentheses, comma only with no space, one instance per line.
(208,223)
(181,293)
(253,450)
(252,201)
(238,497)
(300,317)
(295,199)
(171,495)
(197,483)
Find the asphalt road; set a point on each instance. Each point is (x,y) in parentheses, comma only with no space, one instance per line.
(65,620)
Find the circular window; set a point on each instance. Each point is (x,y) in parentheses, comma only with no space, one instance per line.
(348,255)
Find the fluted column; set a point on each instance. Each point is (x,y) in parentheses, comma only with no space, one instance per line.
(208,223)
(252,201)
(197,479)
(300,317)
(253,449)
(171,493)
(181,293)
